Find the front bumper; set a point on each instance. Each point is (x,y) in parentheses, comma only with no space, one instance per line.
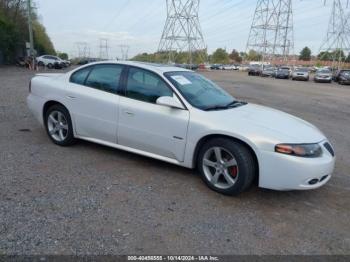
(325,80)
(282,76)
(301,77)
(344,81)
(284,172)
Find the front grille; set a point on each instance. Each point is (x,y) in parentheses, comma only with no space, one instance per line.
(329,148)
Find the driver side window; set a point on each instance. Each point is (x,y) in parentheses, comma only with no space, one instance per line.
(145,86)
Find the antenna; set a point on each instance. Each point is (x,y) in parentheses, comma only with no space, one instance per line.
(182,31)
(272,32)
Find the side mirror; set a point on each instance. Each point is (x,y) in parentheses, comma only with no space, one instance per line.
(170,102)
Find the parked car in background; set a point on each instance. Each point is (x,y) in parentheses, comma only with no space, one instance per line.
(216,67)
(338,73)
(268,72)
(282,73)
(229,67)
(243,67)
(323,76)
(51,61)
(301,73)
(344,77)
(179,116)
(254,70)
(188,66)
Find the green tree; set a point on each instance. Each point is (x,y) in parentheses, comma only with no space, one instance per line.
(14,31)
(305,54)
(235,56)
(347,59)
(337,55)
(325,56)
(254,56)
(220,56)
(63,56)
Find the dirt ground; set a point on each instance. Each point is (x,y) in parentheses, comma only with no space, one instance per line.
(90,199)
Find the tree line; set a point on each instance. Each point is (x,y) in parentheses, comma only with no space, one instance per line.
(221,56)
(14,31)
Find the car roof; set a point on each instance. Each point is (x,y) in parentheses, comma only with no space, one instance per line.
(160,68)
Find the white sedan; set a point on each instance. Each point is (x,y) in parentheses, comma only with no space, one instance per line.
(180,117)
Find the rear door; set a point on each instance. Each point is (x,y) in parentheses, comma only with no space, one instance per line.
(146,126)
(93,100)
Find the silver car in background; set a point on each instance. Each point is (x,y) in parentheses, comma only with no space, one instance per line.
(323,76)
(301,73)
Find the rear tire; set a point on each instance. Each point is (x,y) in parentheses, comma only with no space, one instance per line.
(59,126)
(226,166)
(49,66)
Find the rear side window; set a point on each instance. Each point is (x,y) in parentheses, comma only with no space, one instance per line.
(80,76)
(105,77)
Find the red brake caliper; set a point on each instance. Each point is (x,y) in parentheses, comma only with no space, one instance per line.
(233,171)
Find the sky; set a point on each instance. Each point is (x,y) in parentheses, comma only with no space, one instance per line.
(139,23)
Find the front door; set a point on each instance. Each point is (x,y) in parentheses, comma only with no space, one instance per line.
(149,127)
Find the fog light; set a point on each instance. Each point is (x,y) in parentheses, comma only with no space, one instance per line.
(313,182)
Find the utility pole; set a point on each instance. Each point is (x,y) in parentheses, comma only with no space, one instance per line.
(30,28)
(182,31)
(337,40)
(272,31)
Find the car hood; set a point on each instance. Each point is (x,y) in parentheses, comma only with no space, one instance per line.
(324,75)
(260,122)
(345,76)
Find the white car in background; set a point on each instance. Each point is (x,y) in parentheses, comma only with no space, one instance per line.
(179,116)
(51,61)
(229,67)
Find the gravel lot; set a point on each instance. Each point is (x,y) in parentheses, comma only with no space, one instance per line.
(90,199)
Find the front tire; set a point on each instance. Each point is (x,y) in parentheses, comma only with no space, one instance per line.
(226,166)
(58,125)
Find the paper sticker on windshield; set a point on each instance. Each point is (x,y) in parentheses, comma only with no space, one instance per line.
(181,80)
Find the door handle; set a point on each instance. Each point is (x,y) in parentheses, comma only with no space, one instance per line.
(129,113)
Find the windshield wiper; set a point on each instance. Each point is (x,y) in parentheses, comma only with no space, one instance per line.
(236,104)
(232,104)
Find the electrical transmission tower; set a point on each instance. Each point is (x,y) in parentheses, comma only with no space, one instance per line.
(124,51)
(336,43)
(182,31)
(104,49)
(271,34)
(83,49)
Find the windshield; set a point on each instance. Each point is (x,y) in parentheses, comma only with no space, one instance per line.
(323,71)
(302,70)
(199,91)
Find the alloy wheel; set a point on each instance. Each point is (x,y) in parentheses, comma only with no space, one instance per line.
(220,167)
(57,126)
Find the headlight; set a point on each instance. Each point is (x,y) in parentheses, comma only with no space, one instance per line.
(301,150)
